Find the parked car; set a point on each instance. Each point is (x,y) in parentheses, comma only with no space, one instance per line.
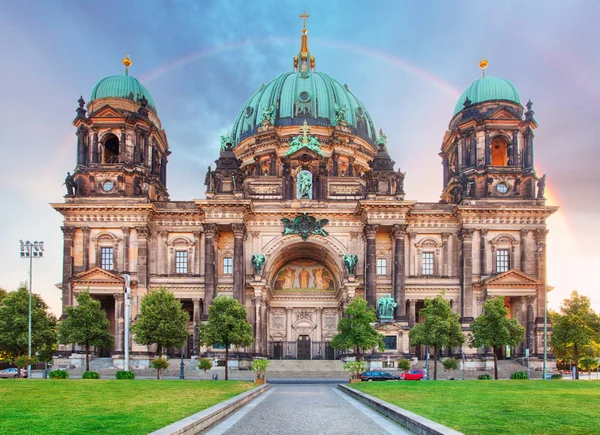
(12,372)
(378,376)
(413,375)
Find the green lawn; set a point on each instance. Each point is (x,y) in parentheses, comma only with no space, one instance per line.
(499,407)
(105,406)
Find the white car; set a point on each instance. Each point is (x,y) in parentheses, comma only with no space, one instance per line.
(12,372)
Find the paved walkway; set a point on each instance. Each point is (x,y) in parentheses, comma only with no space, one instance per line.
(306,409)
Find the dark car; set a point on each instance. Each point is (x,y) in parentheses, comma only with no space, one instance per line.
(379,376)
(413,375)
(12,373)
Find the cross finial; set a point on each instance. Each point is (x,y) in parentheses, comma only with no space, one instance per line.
(305,129)
(304,16)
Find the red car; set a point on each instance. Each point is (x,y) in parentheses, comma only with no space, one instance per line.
(413,375)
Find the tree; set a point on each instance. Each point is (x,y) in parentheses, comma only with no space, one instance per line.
(587,364)
(3,294)
(356,330)
(226,326)
(441,328)
(495,329)
(14,324)
(86,325)
(450,364)
(205,364)
(161,321)
(575,330)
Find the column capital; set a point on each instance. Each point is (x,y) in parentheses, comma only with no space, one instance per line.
(239,230)
(466,234)
(445,237)
(540,234)
(196,234)
(126,230)
(483,232)
(68,232)
(524,232)
(211,230)
(196,301)
(86,231)
(371,230)
(163,233)
(142,232)
(399,231)
(530,300)
(119,297)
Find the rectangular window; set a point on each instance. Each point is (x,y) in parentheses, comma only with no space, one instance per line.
(106,258)
(228,265)
(427,263)
(381,266)
(502,260)
(390,342)
(181,261)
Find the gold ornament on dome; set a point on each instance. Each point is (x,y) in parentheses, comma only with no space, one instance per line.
(126,61)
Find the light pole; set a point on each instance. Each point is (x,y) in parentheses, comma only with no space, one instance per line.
(31,251)
(127,279)
(542,260)
(181,366)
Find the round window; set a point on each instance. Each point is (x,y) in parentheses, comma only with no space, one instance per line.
(502,187)
(248,111)
(304,96)
(107,185)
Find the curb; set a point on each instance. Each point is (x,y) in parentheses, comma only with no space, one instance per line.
(204,419)
(410,420)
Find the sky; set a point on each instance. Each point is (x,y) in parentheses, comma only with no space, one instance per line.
(408,62)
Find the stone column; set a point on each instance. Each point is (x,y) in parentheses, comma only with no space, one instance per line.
(257,166)
(370,265)
(288,312)
(524,234)
(515,148)
(466,236)
(446,169)
(123,147)
(483,252)
(411,254)
(142,256)
(126,233)
(399,233)
(445,258)
(488,150)
(68,234)
(196,319)
(258,329)
(273,164)
(210,283)
(95,152)
(80,146)
(528,160)
(540,237)
(162,267)
(473,139)
(85,254)
(119,322)
(239,285)
(319,331)
(196,265)
(530,324)
(412,314)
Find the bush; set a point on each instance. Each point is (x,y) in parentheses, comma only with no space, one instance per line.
(90,375)
(159,364)
(404,364)
(484,377)
(125,374)
(556,376)
(450,364)
(260,367)
(519,375)
(58,374)
(354,369)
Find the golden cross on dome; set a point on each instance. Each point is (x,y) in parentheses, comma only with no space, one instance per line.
(304,16)
(305,129)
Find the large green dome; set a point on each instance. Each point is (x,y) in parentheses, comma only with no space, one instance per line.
(303,96)
(488,89)
(123,86)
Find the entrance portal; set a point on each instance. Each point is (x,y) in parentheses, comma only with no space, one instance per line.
(278,350)
(303,347)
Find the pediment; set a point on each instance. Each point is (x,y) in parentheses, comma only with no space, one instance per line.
(106,112)
(97,275)
(503,114)
(304,153)
(512,278)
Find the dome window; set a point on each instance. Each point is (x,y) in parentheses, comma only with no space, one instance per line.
(304,96)
(248,111)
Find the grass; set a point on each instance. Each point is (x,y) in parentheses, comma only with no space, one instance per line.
(105,406)
(498,407)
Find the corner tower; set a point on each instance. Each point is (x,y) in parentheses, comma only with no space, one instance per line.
(121,148)
(487,152)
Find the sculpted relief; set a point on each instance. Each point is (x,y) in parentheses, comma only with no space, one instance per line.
(304,275)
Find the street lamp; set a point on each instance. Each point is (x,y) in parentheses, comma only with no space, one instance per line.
(127,279)
(181,366)
(542,261)
(31,251)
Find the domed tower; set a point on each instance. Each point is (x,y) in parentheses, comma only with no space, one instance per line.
(121,148)
(487,152)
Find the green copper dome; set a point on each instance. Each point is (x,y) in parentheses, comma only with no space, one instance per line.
(295,97)
(123,86)
(488,89)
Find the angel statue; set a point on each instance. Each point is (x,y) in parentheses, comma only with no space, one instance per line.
(350,261)
(258,261)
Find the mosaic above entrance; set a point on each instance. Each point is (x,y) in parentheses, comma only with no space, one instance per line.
(304,275)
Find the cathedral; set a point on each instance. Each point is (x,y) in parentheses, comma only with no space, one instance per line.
(305,211)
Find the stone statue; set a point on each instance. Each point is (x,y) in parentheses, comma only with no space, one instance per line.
(268,115)
(541,185)
(70,184)
(258,261)
(382,138)
(340,114)
(208,180)
(385,308)
(305,184)
(350,261)
(400,182)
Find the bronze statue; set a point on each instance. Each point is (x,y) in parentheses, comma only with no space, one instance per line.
(71,184)
(541,185)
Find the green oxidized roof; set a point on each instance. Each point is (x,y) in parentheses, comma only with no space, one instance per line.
(488,89)
(303,96)
(122,86)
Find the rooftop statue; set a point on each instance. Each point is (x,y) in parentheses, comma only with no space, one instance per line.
(385,308)
(268,115)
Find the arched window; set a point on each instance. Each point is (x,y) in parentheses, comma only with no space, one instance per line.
(111,149)
(499,152)
(503,253)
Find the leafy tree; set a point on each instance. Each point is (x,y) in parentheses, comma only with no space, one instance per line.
(450,364)
(86,325)
(494,329)
(161,321)
(14,325)
(159,364)
(587,364)
(355,330)
(575,330)
(3,294)
(441,328)
(205,364)
(226,326)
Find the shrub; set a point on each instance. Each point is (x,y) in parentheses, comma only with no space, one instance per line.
(159,364)
(260,367)
(90,375)
(519,375)
(450,364)
(556,376)
(404,364)
(125,374)
(205,364)
(484,377)
(58,374)
(354,369)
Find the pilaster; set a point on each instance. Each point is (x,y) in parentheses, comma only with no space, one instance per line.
(466,236)
(68,234)
(399,285)
(370,264)
(239,286)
